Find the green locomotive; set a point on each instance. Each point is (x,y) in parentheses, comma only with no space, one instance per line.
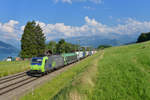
(46,64)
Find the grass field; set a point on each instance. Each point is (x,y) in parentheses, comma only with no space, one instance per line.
(8,68)
(118,73)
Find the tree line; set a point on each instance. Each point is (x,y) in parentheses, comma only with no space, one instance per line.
(61,47)
(144,37)
(33,43)
(101,47)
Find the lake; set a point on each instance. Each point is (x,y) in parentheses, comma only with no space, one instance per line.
(3,56)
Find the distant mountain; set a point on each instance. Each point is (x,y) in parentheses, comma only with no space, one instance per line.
(6,48)
(95,41)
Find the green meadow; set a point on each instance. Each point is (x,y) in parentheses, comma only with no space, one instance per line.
(8,68)
(117,73)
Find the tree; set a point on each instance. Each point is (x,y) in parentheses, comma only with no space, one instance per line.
(69,47)
(39,40)
(83,49)
(61,46)
(65,47)
(32,41)
(52,46)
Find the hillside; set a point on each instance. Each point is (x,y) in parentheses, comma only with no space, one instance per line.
(117,73)
(7,48)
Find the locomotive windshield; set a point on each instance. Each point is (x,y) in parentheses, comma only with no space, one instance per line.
(36,61)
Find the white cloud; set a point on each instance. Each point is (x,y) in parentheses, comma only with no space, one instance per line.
(91,27)
(67,1)
(22,28)
(89,8)
(71,1)
(96,1)
(9,26)
(110,17)
(132,26)
(9,32)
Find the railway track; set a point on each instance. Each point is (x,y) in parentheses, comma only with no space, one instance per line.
(7,79)
(10,83)
(12,76)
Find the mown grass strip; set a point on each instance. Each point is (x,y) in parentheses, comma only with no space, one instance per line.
(50,89)
(8,68)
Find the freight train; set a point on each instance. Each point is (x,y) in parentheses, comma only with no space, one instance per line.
(44,65)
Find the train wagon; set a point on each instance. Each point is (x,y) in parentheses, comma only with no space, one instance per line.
(79,55)
(87,53)
(69,58)
(90,53)
(84,54)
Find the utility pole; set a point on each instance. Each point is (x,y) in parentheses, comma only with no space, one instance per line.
(79,44)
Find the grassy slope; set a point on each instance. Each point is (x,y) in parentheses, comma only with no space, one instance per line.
(122,73)
(8,68)
(50,89)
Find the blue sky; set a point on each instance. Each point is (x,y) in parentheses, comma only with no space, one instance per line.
(49,11)
(70,18)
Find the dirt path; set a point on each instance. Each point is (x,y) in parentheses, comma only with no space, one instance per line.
(86,81)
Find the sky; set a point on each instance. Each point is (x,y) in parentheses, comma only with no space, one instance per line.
(72,18)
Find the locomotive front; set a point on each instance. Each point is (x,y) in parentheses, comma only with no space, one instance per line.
(37,65)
